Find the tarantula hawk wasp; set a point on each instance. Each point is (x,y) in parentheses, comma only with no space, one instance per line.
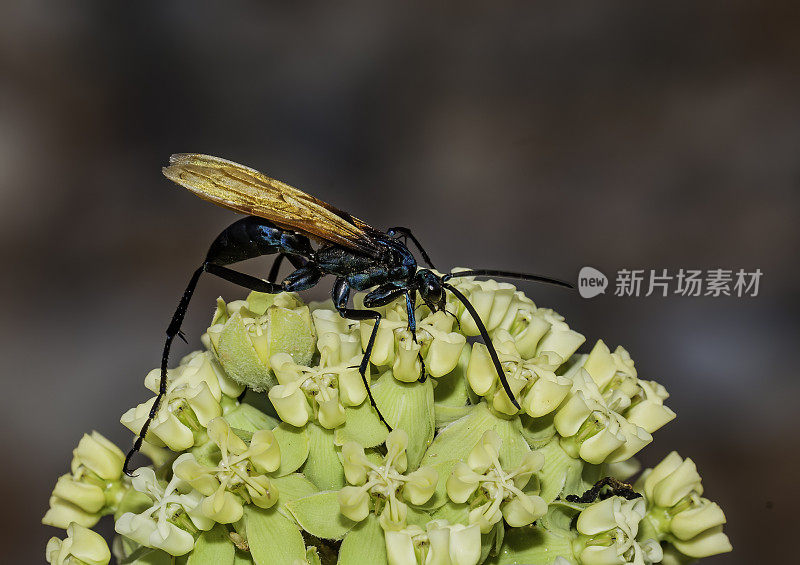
(283,220)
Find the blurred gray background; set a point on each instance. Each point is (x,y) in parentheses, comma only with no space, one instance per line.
(530,137)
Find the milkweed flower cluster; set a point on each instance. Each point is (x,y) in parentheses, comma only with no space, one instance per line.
(266,448)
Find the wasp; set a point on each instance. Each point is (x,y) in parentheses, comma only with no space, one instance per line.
(317,239)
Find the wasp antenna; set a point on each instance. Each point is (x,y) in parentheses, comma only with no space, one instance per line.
(486,340)
(508,275)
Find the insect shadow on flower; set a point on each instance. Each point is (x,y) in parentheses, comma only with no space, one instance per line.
(284,221)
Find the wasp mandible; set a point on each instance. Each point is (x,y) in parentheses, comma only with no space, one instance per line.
(317,239)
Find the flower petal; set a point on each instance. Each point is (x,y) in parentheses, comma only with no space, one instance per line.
(420,485)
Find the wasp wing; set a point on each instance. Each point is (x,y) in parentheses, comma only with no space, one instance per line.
(248,191)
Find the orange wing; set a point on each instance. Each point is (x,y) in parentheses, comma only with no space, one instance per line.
(248,191)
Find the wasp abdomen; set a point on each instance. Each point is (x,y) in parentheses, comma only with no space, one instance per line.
(253,237)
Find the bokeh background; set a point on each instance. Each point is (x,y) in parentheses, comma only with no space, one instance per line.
(525,136)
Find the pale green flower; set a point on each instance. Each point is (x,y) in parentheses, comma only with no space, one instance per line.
(593,426)
(387,483)
(92,488)
(338,339)
(609,530)
(438,345)
(641,402)
(234,478)
(194,391)
(173,520)
(501,306)
(533,380)
(500,493)
(678,512)
(322,391)
(81,547)
(440,543)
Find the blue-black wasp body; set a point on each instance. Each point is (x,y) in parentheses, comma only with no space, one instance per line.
(318,240)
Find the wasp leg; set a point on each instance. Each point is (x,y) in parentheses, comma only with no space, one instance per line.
(296,262)
(411,299)
(486,340)
(341,295)
(174,329)
(406,233)
(242,279)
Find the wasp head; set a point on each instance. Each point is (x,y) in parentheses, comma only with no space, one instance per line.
(430,289)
